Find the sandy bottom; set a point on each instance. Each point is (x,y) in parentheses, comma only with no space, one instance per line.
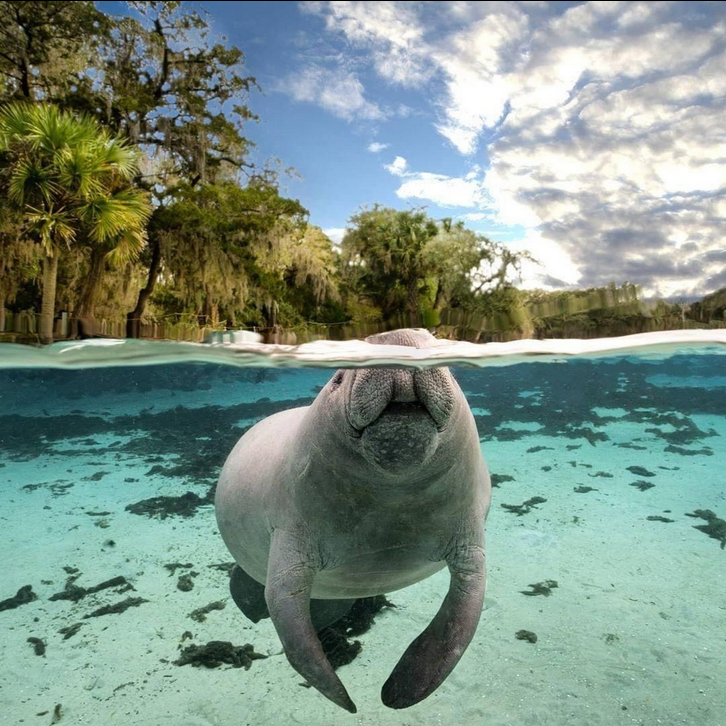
(634,633)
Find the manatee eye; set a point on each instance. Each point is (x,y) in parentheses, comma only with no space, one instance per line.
(337,380)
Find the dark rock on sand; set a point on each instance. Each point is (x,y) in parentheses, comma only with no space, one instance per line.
(525,507)
(715,527)
(640,471)
(185,583)
(70,630)
(217,652)
(75,593)
(705,451)
(119,607)
(185,505)
(38,645)
(527,635)
(200,614)
(335,639)
(498,479)
(24,595)
(541,588)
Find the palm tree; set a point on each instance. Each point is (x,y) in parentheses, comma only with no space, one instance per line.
(70,179)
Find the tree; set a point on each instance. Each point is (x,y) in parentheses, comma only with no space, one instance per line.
(154,76)
(311,274)
(404,261)
(382,257)
(183,99)
(69,178)
(467,267)
(45,47)
(224,246)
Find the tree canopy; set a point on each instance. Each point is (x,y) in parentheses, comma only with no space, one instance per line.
(166,215)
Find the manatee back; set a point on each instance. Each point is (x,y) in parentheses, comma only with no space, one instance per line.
(411,337)
(251,488)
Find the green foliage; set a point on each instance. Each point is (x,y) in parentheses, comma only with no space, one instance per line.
(46,47)
(120,109)
(170,89)
(68,177)
(212,235)
(405,261)
(68,181)
(382,257)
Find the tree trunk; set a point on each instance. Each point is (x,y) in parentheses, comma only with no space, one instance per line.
(25,77)
(413,297)
(2,311)
(87,299)
(439,299)
(133,319)
(47,310)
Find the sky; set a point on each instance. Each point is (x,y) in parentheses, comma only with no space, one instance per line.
(591,134)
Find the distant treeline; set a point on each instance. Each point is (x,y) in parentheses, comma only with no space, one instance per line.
(131,204)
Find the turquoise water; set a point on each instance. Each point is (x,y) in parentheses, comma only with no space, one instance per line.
(622,449)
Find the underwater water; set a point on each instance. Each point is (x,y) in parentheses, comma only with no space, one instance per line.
(605,540)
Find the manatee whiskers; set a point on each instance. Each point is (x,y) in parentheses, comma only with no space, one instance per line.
(375,389)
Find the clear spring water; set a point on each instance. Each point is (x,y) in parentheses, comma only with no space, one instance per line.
(623,447)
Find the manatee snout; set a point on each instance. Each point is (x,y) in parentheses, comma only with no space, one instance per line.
(399,414)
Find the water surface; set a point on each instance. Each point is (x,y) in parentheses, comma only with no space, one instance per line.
(623,444)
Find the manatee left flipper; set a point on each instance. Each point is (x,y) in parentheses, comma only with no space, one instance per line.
(248,594)
(291,570)
(433,655)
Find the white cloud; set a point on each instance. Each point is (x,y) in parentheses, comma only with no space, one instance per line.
(473,65)
(397,167)
(391,32)
(375,146)
(442,190)
(335,90)
(336,234)
(551,267)
(603,122)
(446,191)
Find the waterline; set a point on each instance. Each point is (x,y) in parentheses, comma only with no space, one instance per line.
(107,353)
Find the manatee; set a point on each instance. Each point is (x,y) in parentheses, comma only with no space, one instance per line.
(375,486)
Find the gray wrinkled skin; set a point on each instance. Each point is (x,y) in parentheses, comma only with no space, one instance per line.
(377,485)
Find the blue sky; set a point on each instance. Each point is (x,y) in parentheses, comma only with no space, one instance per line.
(591,134)
(333,147)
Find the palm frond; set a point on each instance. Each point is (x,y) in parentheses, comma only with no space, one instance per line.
(111,216)
(52,226)
(14,123)
(30,179)
(79,171)
(128,247)
(116,154)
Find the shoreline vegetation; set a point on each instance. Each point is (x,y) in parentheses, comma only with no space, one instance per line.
(132,205)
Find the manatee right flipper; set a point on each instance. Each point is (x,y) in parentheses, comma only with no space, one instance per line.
(249,596)
(432,656)
(291,569)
